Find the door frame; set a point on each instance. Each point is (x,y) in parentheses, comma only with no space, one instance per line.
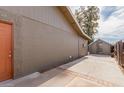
(12,44)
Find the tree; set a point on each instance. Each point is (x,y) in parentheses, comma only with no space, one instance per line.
(87,18)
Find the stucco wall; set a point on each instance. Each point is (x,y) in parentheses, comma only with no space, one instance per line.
(44,46)
(41,44)
(42,14)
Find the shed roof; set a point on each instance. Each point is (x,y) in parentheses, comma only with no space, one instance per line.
(99,40)
(70,17)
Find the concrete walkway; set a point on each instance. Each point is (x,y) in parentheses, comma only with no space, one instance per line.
(89,71)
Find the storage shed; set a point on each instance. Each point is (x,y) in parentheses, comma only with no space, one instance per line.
(37,39)
(100,47)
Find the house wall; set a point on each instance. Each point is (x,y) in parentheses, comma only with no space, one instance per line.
(43,38)
(49,15)
(96,48)
(93,48)
(83,47)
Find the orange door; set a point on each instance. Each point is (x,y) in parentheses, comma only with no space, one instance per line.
(5,51)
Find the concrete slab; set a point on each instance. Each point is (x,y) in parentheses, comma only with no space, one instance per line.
(80,65)
(89,71)
(25,79)
(59,80)
(101,67)
(43,77)
(80,82)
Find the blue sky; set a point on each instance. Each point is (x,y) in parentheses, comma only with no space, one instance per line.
(111,23)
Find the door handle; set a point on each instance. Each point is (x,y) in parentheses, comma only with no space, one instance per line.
(10,56)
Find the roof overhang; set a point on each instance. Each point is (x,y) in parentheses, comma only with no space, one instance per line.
(70,17)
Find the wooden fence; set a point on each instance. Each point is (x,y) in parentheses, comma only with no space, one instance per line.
(119,52)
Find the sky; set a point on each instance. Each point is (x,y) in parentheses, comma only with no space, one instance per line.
(111,23)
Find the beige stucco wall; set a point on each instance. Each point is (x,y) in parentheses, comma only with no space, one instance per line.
(43,38)
(45,46)
(42,14)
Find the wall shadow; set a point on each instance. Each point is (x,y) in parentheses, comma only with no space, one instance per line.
(44,77)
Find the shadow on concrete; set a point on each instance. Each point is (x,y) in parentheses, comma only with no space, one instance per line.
(70,64)
(50,74)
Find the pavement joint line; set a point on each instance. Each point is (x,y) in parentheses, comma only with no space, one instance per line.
(93,79)
(70,82)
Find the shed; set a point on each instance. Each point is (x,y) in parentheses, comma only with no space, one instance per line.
(100,47)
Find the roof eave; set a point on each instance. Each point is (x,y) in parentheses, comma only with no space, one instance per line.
(69,15)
